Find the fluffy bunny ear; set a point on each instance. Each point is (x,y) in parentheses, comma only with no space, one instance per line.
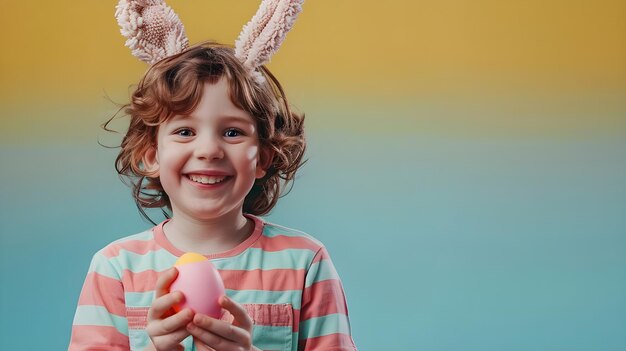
(152,29)
(264,34)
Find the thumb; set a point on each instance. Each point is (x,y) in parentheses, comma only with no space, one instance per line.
(164,281)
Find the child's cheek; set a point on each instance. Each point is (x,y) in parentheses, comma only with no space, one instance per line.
(253,153)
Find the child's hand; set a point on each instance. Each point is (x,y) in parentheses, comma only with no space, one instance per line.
(214,334)
(165,327)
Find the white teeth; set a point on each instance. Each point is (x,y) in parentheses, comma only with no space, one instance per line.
(206,179)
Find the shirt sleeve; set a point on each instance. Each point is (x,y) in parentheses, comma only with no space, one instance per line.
(100,320)
(324,323)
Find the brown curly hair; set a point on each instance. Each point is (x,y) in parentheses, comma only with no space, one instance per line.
(174,86)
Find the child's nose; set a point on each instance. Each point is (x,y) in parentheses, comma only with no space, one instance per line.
(208,148)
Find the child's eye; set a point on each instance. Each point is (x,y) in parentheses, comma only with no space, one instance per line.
(184,132)
(231,133)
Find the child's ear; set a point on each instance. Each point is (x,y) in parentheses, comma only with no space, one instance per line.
(150,162)
(266,156)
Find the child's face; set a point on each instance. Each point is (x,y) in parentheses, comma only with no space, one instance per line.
(208,161)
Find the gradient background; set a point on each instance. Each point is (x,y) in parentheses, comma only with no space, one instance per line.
(467,164)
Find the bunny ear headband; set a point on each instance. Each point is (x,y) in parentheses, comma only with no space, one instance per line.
(154,31)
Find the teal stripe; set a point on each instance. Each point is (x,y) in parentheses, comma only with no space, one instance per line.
(158,260)
(188,343)
(255,258)
(138,338)
(293,297)
(272,330)
(139,299)
(101,265)
(321,270)
(326,325)
(98,315)
(267,337)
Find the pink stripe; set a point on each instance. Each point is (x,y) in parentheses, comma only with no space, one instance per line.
(296,317)
(139,282)
(332,342)
(273,280)
(281,242)
(323,298)
(100,290)
(137,317)
(321,255)
(93,337)
(277,315)
(161,239)
(140,247)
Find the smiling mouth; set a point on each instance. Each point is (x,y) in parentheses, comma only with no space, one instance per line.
(202,179)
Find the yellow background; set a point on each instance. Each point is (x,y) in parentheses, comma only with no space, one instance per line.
(503,62)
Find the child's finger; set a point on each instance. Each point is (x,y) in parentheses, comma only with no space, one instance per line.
(200,346)
(207,334)
(172,340)
(164,281)
(213,331)
(242,319)
(162,305)
(175,322)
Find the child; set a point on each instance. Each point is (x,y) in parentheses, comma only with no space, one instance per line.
(213,142)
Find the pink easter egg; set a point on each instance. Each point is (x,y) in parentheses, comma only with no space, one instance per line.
(201,284)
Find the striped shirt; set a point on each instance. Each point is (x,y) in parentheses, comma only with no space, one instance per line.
(284,278)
